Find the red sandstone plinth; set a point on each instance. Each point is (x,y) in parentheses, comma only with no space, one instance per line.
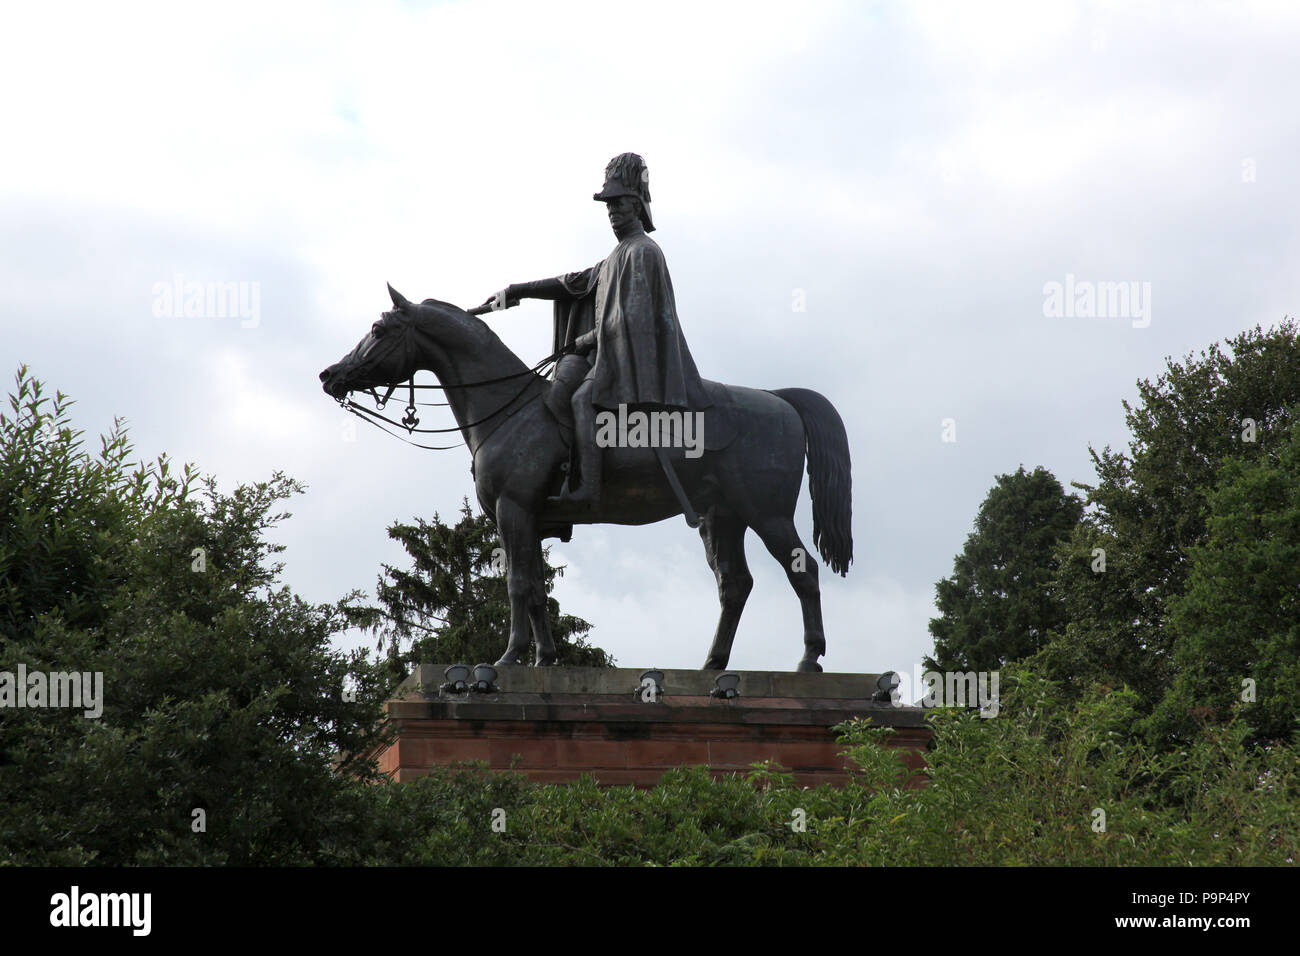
(556,724)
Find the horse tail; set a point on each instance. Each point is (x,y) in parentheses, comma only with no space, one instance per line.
(830,480)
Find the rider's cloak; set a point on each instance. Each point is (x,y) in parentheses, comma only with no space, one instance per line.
(641,353)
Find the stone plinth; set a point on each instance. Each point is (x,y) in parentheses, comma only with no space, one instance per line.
(556,723)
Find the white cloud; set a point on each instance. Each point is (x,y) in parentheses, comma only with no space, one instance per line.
(919,171)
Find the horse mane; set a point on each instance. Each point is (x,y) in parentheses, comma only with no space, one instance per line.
(478,324)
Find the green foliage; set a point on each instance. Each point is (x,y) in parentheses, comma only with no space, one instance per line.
(1150,507)
(60,508)
(220,691)
(688,819)
(452,606)
(1239,618)
(998,605)
(1021,789)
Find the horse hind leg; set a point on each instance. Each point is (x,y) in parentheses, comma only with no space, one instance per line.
(724,547)
(782,542)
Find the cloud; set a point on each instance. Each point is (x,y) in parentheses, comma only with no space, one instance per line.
(913,174)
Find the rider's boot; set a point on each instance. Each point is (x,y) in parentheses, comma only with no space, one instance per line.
(587,494)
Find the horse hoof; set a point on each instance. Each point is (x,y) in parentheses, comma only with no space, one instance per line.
(810,667)
(547,661)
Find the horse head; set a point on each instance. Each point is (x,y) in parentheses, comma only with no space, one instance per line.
(383,357)
(404,340)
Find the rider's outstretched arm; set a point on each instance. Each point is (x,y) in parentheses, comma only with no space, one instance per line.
(541,289)
(571,285)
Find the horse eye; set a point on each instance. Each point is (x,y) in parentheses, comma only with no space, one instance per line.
(376,330)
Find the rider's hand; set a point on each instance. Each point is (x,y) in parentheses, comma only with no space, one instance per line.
(500,301)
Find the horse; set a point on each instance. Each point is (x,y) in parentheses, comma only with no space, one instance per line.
(519,450)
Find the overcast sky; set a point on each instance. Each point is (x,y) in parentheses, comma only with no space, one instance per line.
(920,174)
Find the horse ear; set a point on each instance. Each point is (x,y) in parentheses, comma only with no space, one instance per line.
(399,300)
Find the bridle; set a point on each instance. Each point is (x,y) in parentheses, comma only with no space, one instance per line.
(411,419)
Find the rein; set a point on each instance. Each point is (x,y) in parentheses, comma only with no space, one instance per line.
(410,419)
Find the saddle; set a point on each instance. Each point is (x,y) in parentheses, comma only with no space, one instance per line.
(718,428)
(721,425)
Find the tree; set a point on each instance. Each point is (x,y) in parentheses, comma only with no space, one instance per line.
(998,605)
(1149,508)
(60,510)
(1237,625)
(452,606)
(229,730)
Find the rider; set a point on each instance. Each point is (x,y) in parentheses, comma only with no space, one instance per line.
(623,309)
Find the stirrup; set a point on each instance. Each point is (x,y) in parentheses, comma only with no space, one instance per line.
(568,497)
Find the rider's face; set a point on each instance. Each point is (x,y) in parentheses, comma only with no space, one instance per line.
(622,211)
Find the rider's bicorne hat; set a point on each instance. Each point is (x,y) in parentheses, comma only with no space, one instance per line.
(626,175)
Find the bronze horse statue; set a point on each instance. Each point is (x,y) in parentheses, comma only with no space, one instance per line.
(748,475)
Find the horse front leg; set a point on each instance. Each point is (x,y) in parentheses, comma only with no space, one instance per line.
(547,653)
(525,583)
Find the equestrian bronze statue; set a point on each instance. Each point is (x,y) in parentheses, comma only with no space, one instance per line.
(623,432)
